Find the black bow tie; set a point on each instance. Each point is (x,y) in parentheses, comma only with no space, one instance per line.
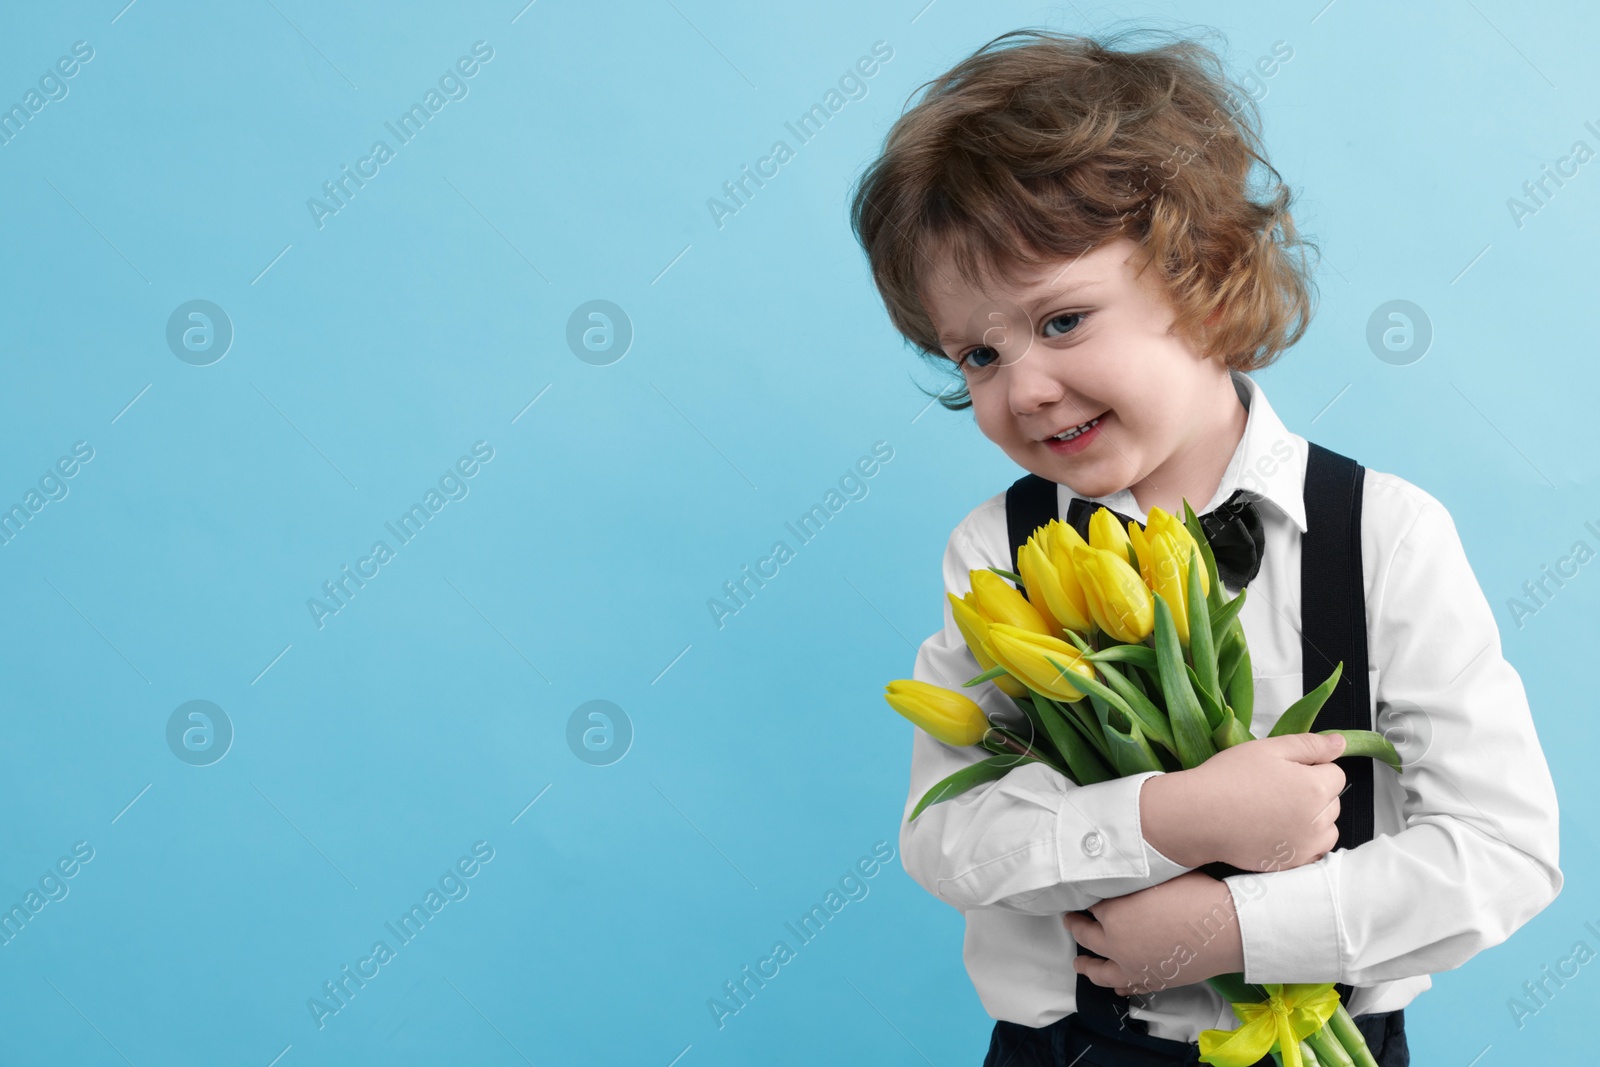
(1233,529)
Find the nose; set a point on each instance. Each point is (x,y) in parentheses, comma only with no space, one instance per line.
(1031,383)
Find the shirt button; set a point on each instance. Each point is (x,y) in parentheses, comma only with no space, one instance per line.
(1093,843)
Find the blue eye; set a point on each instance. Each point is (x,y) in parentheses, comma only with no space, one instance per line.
(1078,315)
(962,360)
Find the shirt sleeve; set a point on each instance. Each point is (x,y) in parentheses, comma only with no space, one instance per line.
(1032,842)
(1479,842)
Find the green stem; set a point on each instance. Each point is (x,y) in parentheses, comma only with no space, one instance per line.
(1330,1051)
(1350,1037)
(1010,742)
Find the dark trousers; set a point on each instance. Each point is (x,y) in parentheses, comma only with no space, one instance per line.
(1068,1042)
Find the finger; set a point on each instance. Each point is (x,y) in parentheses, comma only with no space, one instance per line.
(1101,972)
(1310,748)
(1332,777)
(1086,932)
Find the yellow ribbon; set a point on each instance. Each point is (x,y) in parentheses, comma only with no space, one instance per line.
(1292,1011)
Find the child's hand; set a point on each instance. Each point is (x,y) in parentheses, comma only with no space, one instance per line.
(1266,804)
(1179,932)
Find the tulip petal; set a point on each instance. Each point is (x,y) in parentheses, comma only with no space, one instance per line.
(1107,534)
(999,601)
(1038,575)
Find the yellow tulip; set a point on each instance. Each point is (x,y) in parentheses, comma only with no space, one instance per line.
(1162,522)
(1163,548)
(1164,575)
(1037,575)
(951,717)
(973,627)
(1105,532)
(1023,652)
(1074,611)
(1119,600)
(999,601)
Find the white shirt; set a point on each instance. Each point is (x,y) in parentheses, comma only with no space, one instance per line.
(1464,847)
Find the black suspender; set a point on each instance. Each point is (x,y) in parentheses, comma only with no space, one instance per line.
(1333,621)
(1333,628)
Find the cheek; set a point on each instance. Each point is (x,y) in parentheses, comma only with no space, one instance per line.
(988,409)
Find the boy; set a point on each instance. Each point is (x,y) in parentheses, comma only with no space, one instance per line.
(1070,228)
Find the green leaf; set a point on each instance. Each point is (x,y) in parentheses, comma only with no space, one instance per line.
(1188,720)
(1191,522)
(1042,739)
(1094,687)
(1077,639)
(1007,574)
(1081,720)
(1222,618)
(1037,737)
(1368,743)
(1138,655)
(1025,705)
(1208,703)
(1242,685)
(1152,720)
(1038,748)
(987,676)
(1299,716)
(1230,733)
(1140,677)
(1230,649)
(1085,764)
(1130,751)
(1202,652)
(985,770)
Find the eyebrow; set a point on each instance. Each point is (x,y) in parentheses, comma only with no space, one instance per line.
(1046,296)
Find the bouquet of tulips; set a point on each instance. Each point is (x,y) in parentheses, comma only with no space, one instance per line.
(1125,656)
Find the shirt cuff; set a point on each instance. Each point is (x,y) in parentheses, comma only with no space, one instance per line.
(1099,834)
(1287,924)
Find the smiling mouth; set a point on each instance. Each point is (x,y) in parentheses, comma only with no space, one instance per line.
(1077,431)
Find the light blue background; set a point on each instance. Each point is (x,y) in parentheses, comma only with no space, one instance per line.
(429,312)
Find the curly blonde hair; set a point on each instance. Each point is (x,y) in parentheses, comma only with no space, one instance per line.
(1041,146)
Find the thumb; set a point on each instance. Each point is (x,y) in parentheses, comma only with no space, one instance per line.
(1313,748)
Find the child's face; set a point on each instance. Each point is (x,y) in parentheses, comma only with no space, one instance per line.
(1085,340)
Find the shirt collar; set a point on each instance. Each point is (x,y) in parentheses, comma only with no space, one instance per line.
(1269,464)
